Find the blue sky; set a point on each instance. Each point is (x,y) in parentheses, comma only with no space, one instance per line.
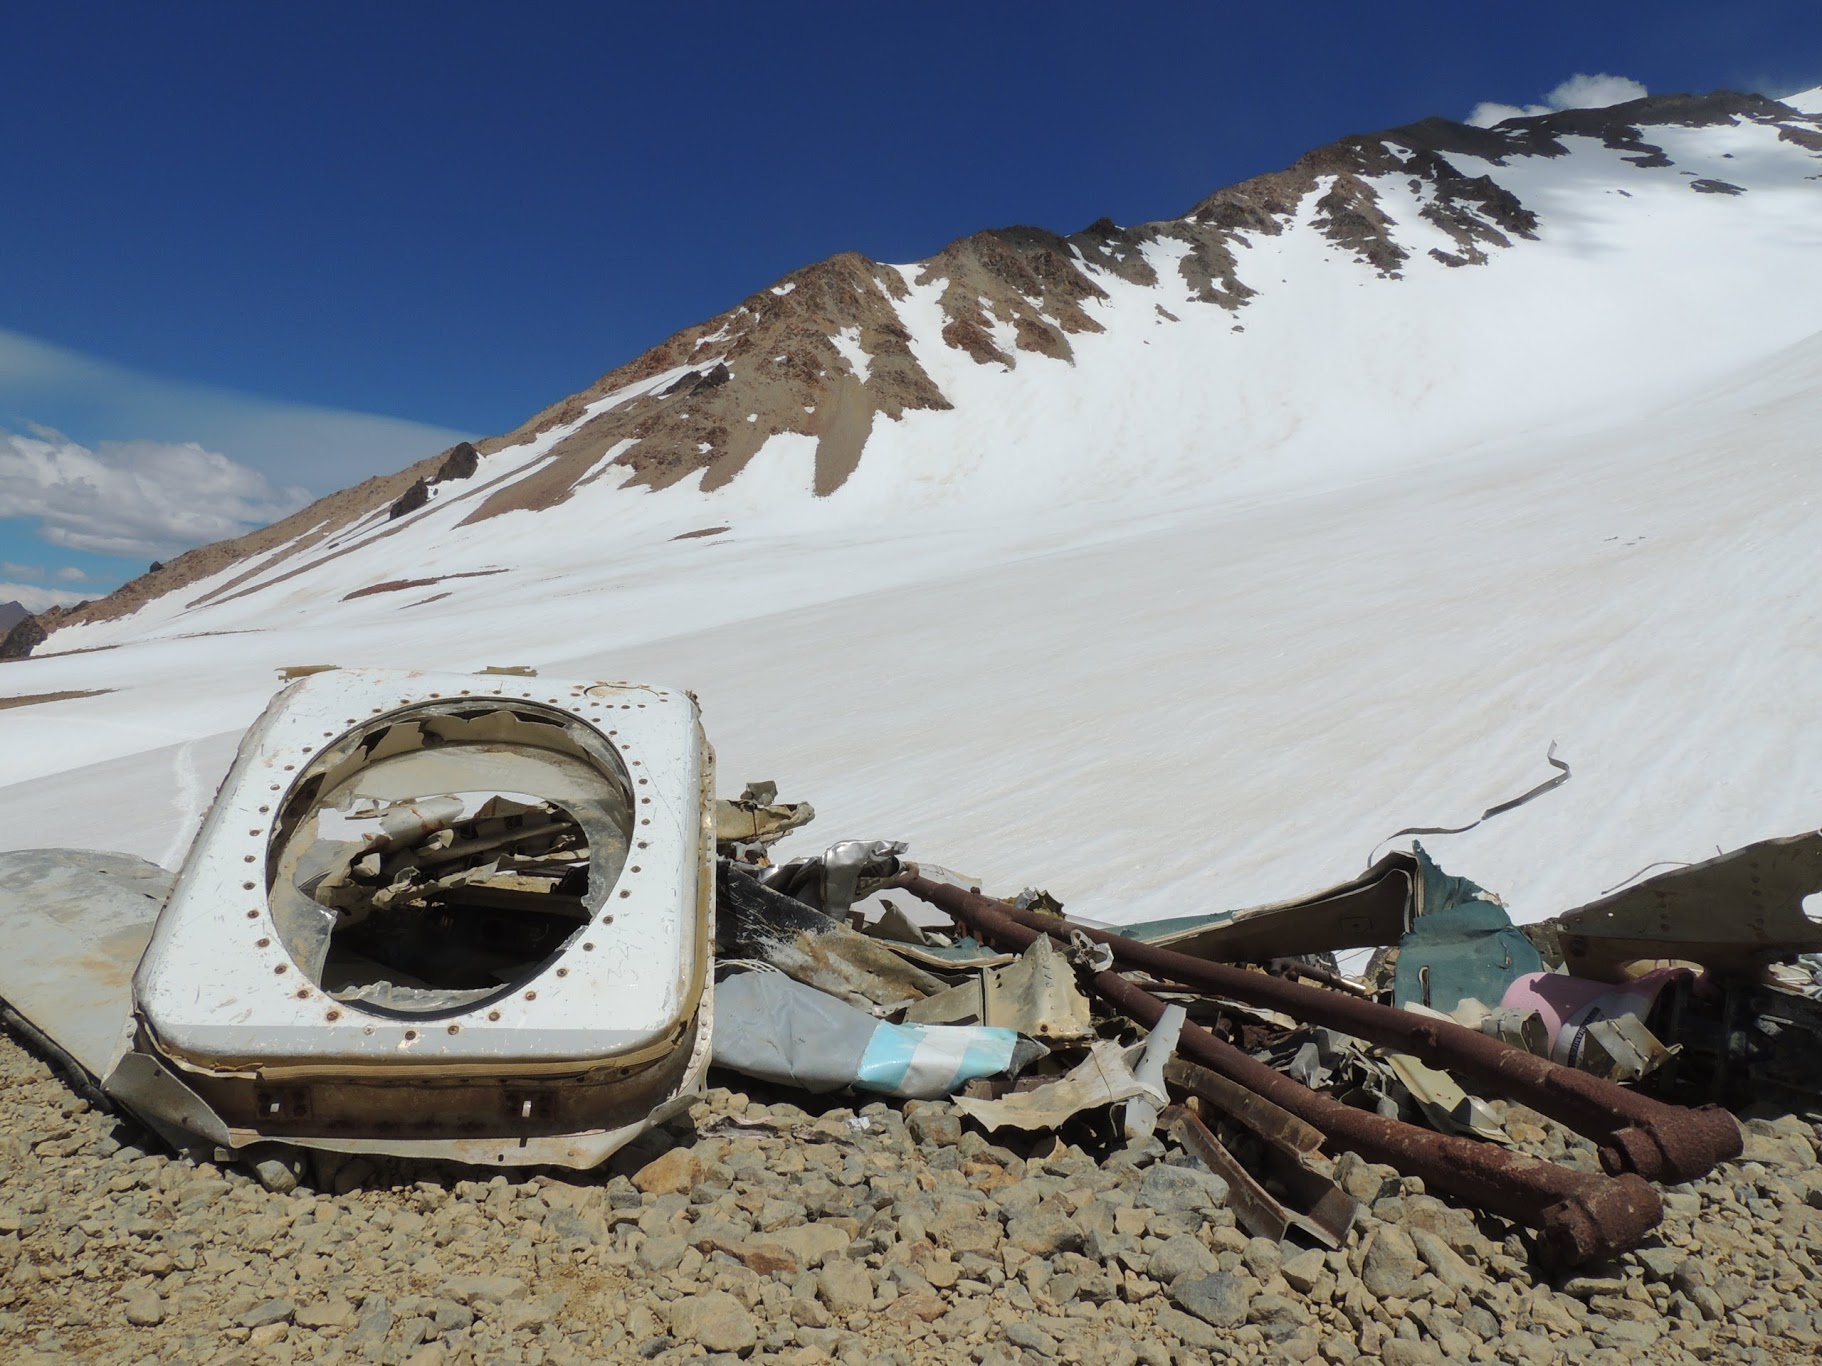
(318,242)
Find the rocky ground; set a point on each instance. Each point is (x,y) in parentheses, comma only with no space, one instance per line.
(771,1232)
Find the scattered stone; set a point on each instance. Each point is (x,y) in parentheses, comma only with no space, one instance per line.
(1180,1256)
(1032,1339)
(1278,1315)
(1191,1332)
(797,1237)
(716,1321)
(1445,1262)
(1391,1266)
(845,1286)
(1183,1190)
(1304,1271)
(933,1125)
(672,1173)
(1044,1232)
(1219,1298)
(1660,1263)
(334,1312)
(267,1311)
(482,1289)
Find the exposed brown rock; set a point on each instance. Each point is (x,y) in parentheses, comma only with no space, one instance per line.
(26,635)
(413,498)
(460,461)
(772,366)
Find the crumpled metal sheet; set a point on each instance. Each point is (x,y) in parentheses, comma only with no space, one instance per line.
(1110,1074)
(779,1030)
(756,923)
(836,878)
(1371,910)
(1036,996)
(1461,945)
(757,817)
(1734,914)
(1447,1108)
(1598,1027)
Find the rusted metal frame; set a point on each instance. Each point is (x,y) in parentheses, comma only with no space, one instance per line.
(1259,1211)
(1293,968)
(1579,1216)
(1272,1123)
(1635,1133)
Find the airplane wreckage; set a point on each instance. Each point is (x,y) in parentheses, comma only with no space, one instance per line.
(502,920)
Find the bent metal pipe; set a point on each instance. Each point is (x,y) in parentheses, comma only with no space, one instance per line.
(1633,1132)
(1579,1216)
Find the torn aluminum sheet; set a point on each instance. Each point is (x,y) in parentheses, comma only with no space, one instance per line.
(1384,1080)
(1036,996)
(1447,1108)
(1461,945)
(757,817)
(779,1030)
(919,932)
(1597,1026)
(757,924)
(1111,1073)
(834,880)
(1734,915)
(1373,909)
(523,982)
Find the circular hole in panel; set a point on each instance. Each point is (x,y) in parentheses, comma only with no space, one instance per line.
(441,858)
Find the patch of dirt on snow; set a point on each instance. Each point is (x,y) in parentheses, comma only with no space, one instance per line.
(400,585)
(34,699)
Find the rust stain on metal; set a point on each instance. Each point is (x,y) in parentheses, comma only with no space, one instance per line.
(1272,1123)
(1258,1210)
(1635,1133)
(1580,1217)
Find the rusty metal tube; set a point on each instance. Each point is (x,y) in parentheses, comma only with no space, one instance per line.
(1633,1132)
(1579,1216)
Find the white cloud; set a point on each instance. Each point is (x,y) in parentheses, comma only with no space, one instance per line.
(35,599)
(1580,91)
(13,570)
(70,574)
(100,402)
(143,498)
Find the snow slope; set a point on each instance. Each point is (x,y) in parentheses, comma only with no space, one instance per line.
(1189,620)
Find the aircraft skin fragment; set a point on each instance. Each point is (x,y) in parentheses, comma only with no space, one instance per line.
(463,916)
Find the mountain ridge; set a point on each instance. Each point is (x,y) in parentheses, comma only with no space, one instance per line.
(825,352)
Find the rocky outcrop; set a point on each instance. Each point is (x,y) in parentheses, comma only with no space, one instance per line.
(24,636)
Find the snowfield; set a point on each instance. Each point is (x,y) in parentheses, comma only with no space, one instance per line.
(1194,622)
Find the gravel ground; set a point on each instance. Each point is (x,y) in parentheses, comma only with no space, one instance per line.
(768,1232)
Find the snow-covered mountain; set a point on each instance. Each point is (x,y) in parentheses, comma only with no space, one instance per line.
(1171,565)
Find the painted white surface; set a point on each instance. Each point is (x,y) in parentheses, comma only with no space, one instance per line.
(217,984)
